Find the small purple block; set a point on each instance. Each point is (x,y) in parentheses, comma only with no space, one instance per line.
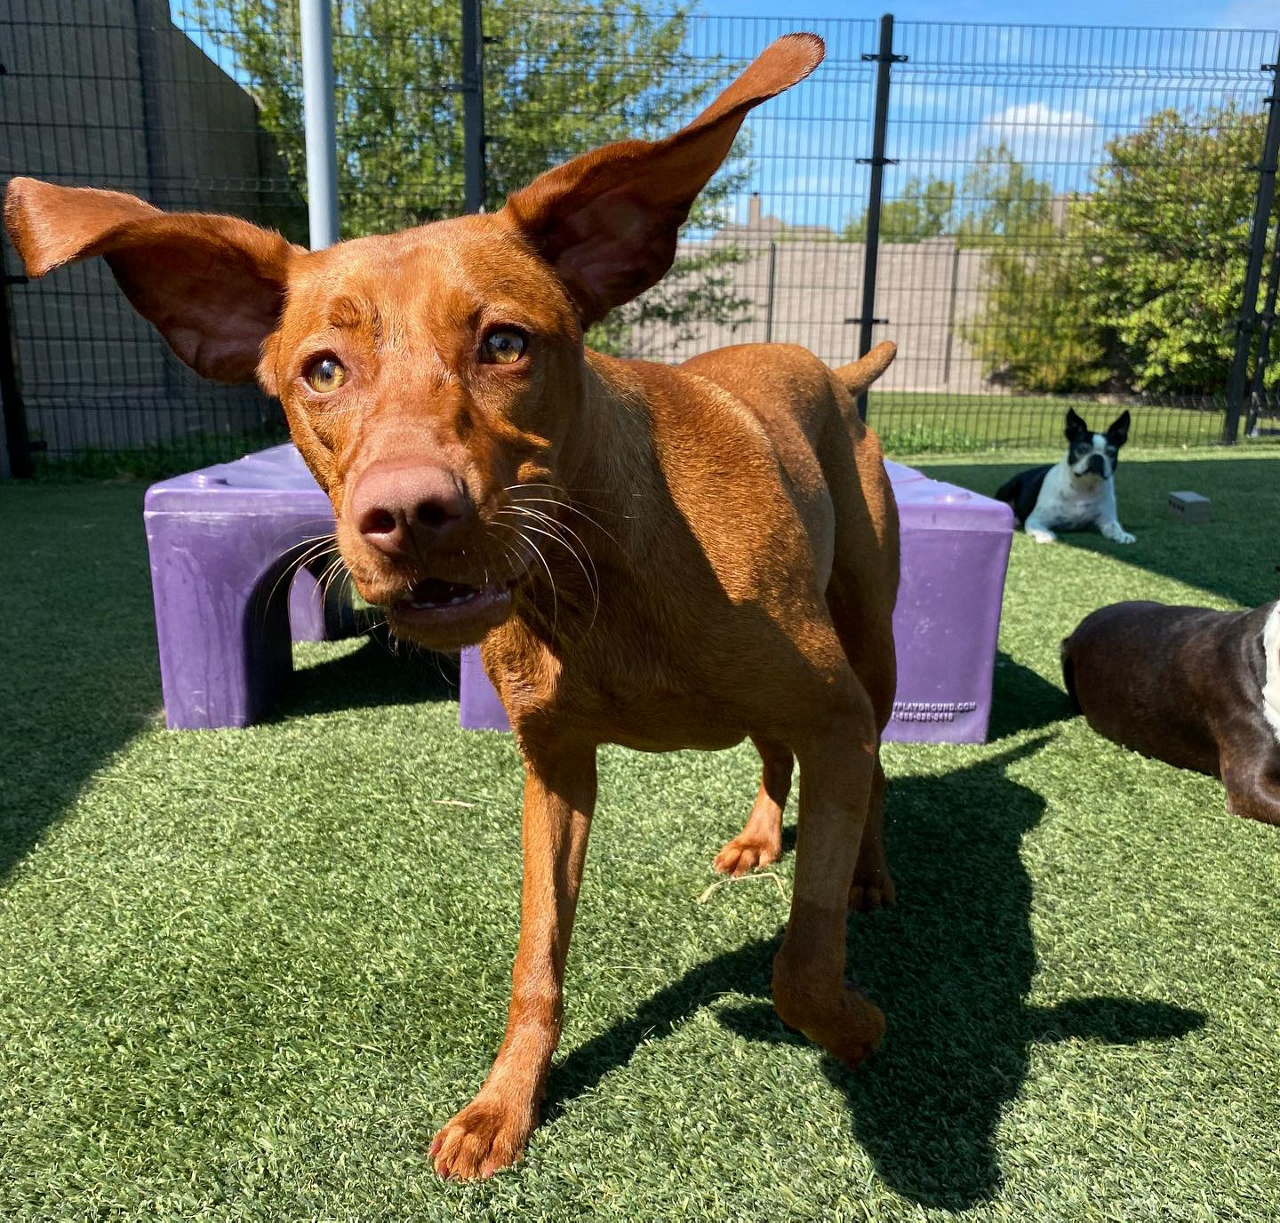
(224,544)
(955,552)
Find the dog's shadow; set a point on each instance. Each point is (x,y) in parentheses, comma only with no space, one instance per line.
(951,966)
(376,674)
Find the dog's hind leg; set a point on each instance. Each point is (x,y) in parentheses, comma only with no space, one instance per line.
(760,841)
(872,886)
(861,594)
(837,765)
(867,639)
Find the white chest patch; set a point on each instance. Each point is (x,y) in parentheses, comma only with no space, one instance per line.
(1271,686)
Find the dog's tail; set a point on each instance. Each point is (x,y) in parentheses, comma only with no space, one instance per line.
(860,374)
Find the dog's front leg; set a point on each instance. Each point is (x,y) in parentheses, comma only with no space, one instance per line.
(1112,530)
(809,989)
(1039,530)
(490,1133)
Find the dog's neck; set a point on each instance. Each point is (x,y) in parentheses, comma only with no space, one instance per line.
(608,465)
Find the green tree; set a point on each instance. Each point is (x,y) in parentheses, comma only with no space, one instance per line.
(1037,329)
(920,211)
(560,78)
(1166,236)
(1000,201)
(1137,284)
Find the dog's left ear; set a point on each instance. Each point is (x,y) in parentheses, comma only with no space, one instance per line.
(607,221)
(1118,434)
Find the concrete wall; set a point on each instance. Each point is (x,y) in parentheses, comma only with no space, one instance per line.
(925,290)
(109,93)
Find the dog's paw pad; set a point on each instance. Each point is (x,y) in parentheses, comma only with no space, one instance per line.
(743,854)
(482,1139)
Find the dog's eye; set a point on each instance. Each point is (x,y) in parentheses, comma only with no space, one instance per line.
(503,346)
(325,375)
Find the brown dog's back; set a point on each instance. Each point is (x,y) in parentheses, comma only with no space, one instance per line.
(1159,679)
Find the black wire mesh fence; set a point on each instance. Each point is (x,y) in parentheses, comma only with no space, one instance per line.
(113,94)
(1067,212)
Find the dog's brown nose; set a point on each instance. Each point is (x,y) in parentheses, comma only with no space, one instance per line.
(409,508)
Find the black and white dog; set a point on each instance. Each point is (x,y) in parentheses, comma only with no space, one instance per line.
(1075,494)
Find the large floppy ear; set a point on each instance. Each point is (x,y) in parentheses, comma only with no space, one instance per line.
(1076,427)
(607,221)
(213,286)
(1118,433)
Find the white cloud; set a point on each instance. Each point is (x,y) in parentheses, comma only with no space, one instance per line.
(1038,134)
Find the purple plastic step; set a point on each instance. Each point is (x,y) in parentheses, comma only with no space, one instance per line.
(955,552)
(225,543)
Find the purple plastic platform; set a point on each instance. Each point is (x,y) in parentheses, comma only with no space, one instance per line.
(225,543)
(955,551)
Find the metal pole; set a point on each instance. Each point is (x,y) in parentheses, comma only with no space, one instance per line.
(17,440)
(1266,327)
(768,308)
(319,122)
(1247,323)
(884,58)
(472,107)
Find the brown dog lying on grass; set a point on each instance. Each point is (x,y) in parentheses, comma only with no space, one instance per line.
(1197,688)
(662,558)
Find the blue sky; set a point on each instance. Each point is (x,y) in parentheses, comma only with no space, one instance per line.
(1054,99)
(1239,14)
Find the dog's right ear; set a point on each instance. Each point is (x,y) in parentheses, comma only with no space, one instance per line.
(607,221)
(213,286)
(1076,427)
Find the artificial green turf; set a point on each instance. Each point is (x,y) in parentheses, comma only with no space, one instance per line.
(940,423)
(246,974)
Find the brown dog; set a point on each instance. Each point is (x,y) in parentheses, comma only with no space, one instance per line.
(662,558)
(1194,687)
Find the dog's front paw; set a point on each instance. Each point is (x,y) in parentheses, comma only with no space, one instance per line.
(1119,535)
(482,1139)
(745,852)
(1041,536)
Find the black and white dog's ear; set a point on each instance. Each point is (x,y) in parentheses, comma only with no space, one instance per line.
(1076,427)
(1118,434)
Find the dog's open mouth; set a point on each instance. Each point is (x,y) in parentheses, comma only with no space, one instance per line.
(452,608)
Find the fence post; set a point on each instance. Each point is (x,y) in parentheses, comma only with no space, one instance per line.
(1266,328)
(884,59)
(473,106)
(17,441)
(1247,323)
(768,306)
(319,122)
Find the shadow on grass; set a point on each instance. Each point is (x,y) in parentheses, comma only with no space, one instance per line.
(78,670)
(1235,555)
(951,966)
(376,674)
(1023,700)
